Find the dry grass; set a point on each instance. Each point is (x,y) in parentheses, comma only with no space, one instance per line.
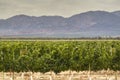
(66,75)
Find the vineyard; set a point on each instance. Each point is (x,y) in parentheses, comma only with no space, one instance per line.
(58,56)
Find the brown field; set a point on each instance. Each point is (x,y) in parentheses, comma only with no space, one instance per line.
(66,75)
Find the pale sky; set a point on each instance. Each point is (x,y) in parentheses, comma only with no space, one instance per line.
(64,8)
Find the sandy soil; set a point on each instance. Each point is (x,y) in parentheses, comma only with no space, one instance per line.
(66,75)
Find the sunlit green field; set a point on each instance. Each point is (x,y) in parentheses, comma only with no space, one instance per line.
(57,56)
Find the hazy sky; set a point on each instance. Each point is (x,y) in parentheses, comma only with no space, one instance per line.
(65,8)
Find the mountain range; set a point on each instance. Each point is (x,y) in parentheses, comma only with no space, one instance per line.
(87,24)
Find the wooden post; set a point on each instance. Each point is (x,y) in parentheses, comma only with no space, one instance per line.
(50,78)
(115,75)
(11,79)
(13,76)
(89,73)
(22,76)
(70,77)
(3,75)
(31,78)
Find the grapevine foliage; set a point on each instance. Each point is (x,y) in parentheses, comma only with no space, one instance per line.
(57,56)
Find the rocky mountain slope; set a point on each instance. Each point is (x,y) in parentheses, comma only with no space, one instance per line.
(87,24)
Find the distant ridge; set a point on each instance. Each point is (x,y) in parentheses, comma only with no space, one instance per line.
(116,13)
(87,24)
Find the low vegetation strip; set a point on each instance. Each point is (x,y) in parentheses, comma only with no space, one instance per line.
(66,75)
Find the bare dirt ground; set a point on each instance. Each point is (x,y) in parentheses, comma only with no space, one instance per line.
(66,75)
